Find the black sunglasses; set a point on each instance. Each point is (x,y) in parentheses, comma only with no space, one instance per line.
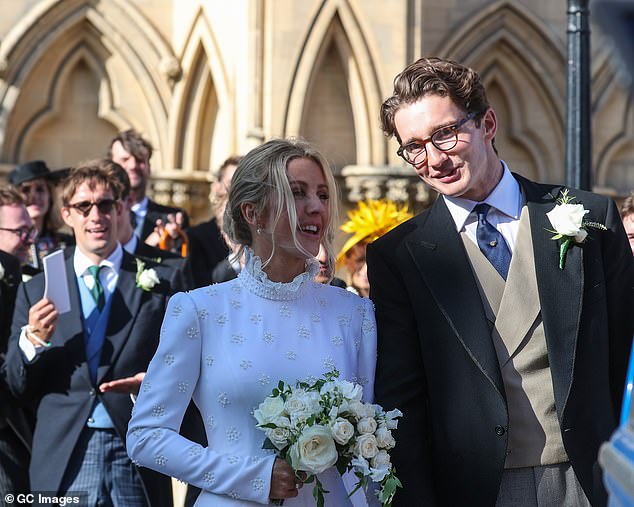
(104,206)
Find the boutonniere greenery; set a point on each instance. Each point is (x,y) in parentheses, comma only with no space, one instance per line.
(569,225)
(146,279)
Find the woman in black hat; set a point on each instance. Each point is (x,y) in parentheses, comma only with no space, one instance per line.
(35,181)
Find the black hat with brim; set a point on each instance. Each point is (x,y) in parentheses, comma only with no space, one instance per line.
(33,170)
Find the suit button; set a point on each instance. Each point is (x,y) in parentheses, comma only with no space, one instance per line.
(92,392)
(499,430)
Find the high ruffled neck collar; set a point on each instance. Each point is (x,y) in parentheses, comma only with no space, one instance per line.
(257,281)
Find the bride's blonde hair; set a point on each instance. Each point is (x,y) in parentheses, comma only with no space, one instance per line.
(262,180)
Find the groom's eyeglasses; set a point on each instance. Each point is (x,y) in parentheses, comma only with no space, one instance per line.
(104,206)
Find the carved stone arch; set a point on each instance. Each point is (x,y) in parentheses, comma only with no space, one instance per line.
(63,111)
(336,26)
(614,155)
(121,30)
(201,121)
(516,56)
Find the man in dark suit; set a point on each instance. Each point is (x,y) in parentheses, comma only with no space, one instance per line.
(63,361)
(130,242)
(17,234)
(133,153)
(505,350)
(207,247)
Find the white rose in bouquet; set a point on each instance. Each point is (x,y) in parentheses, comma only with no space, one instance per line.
(314,450)
(381,459)
(361,465)
(270,409)
(390,418)
(378,474)
(384,438)
(360,409)
(350,391)
(328,388)
(366,446)
(356,408)
(342,430)
(301,404)
(279,436)
(567,219)
(367,425)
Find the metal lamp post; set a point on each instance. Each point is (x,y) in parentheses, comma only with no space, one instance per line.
(578,126)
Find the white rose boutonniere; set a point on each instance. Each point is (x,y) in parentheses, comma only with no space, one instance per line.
(569,225)
(146,279)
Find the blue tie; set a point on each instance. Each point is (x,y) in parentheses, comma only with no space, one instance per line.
(491,242)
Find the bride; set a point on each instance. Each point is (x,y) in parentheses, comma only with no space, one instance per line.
(227,345)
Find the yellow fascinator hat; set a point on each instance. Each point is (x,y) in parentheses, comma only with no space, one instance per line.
(370,220)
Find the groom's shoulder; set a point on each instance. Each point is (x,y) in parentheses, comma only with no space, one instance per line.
(552,191)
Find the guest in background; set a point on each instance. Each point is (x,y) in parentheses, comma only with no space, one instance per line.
(367,222)
(326,268)
(207,247)
(132,152)
(36,182)
(16,422)
(128,239)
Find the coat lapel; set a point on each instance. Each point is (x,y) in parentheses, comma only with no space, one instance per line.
(560,290)
(124,308)
(440,257)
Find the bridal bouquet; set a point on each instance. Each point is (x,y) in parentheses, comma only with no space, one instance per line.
(324,424)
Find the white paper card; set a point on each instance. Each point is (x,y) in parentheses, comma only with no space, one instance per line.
(56,286)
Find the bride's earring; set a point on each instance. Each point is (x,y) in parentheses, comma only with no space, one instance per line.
(258,229)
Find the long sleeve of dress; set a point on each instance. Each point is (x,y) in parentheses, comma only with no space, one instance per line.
(367,351)
(172,379)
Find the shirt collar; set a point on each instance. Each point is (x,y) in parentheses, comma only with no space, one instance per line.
(130,246)
(140,208)
(506,197)
(81,263)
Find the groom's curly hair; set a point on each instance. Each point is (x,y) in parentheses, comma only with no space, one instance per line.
(434,76)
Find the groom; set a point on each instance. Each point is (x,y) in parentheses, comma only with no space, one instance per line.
(509,367)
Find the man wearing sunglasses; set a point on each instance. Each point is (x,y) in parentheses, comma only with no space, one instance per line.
(506,356)
(64,362)
(16,426)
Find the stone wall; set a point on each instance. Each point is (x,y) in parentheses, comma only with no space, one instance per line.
(204,79)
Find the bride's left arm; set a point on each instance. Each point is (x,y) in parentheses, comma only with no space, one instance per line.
(367,351)
(153,438)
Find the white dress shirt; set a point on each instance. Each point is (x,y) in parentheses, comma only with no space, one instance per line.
(140,209)
(506,206)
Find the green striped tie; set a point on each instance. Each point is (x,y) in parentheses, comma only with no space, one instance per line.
(97,288)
